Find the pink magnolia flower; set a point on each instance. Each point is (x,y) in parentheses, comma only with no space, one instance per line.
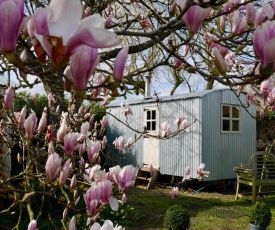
(267,13)
(126,177)
(104,142)
(200,171)
(11,18)
(83,63)
(126,110)
(184,125)
(72,224)
(175,192)
(250,13)
(30,125)
(53,166)
(271,97)
(63,129)
(178,62)
(107,223)
(51,148)
(118,142)
(211,41)
(21,118)
(128,143)
(219,61)
(106,189)
(8,97)
(60,29)
(65,172)
(103,122)
(51,99)
(92,199)
(229,60)
(178,120)
(263,43)
(32,225)
(93,151)
(250,98)
(194,16)
(261,113)
(145,23)
(84,130)
(119,64)
(265,88)
(165,129)
(49,134)
(238,22)
(70,141)
(113,173)
(187,172)
(43,122)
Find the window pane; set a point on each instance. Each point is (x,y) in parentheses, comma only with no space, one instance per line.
(235,112)
(235,126)
(226,111)
(148,115)
(153,114)
(148,125)
(153,125)
(226,125)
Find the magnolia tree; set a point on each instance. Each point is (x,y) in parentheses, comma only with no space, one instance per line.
(101,50)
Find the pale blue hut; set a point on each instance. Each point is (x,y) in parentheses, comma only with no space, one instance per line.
(222,136)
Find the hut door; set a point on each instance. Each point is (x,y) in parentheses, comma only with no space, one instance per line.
(151,149)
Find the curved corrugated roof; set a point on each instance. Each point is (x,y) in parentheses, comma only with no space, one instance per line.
(185,96)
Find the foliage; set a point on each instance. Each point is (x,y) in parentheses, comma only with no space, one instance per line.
(260,214)
(176,218)
(126,215)
(35,102)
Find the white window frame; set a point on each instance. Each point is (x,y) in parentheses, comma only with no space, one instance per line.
(230,118)
(156,120)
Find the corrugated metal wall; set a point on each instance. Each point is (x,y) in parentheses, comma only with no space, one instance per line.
(133,155)
(204,143)
(184,150)
(223,151)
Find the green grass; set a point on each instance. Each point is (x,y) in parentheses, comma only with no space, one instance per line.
(208,210)
(145,209)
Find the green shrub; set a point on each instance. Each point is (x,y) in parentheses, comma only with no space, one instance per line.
(176,218)
(260,214)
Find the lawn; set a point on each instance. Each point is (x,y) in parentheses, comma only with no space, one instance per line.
(210,210)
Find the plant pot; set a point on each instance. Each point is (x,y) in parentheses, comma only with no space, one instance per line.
(256,227)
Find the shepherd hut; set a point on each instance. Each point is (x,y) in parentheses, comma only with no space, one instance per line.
(222,132)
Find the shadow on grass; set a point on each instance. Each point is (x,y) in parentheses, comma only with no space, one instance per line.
(208,210)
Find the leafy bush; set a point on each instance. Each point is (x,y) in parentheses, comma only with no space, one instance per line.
(260,214)
(176,218)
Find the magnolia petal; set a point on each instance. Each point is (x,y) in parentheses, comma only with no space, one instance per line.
(113,203)
(40,20)
(95,226)
(65,15)
(267,10)
(91,36)
(44,42)
(120,63)
(10,18)
(260,37)
(269,52)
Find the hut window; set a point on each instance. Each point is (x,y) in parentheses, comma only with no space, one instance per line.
(230,118)
(151,117)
